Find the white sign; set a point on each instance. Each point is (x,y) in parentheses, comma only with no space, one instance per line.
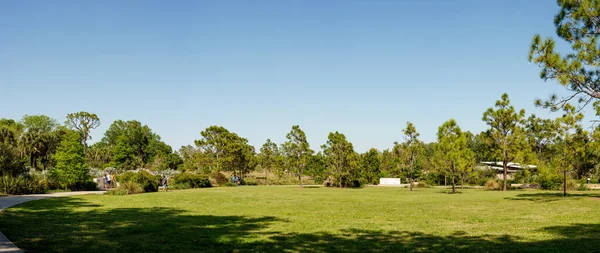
(389,181)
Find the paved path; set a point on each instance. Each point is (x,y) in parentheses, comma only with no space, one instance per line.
(5,202)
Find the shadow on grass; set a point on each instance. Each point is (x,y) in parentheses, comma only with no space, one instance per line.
(552,196)
(55,226)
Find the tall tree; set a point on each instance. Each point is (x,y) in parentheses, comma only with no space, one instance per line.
(577,23)
(413,148)
(214,141)
(507,132)
(83,122)
(452,151)
(371,164)
(39,139)
(568,128)
(297,150)
(70,166)
(268,157)
(339,155)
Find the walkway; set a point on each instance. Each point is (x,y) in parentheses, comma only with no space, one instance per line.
(5,202)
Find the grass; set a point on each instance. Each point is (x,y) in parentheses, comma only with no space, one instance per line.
(288,219)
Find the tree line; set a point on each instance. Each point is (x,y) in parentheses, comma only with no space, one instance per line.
(560,147)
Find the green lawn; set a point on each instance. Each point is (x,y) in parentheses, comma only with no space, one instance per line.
(289,219)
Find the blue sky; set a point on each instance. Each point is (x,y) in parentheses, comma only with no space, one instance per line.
(363,68)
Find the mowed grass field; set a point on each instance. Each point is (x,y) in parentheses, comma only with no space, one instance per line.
(290,219)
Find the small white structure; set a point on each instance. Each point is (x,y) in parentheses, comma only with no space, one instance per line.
(389,181)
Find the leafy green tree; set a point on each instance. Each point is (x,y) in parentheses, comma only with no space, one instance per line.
(506,131)
(39,140)
(83,122)
(214,141)
(371,164)
(339,155)
(541,133)
(577,23)
(569,132)
(413,147)
(452,152)
(70,166)
(316,167)
(297,151)
(268,157)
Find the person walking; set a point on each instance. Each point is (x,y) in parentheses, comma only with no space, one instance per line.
(164,183)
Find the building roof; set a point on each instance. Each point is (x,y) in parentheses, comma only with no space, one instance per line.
(511,167)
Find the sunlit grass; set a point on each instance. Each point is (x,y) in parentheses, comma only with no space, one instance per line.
(290,219)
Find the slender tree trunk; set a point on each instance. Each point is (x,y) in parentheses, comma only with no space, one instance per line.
(565,183)
(84,143)
(462,181)
(300,177)
(410,180)
(453,187)
(505,169)
(445,180)
(267,176)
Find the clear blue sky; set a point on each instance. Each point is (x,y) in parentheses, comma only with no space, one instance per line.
(363,68)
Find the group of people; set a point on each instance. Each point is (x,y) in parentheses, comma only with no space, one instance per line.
(235,179)
(108,180)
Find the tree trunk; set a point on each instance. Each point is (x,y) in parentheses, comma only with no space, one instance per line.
(462,181)
(267,176)
(300,177)
(453,188)
(84,143)
(505,169)
(410,180)
(445,181)
(565,183)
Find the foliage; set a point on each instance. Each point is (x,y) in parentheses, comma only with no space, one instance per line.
(127,188)
(17,185)
(296,151)
(452,155)
(148,181)
(507,133)
(340,159)
(578,25)
(269,158)
(70,166)
(492,185)
(83,122)
(219,177)
(192,180)
(413,148)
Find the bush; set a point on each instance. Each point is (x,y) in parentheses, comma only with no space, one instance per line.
(492,185)
(84,186)
(127,188)
(148,182)
(117,191)
(571,185)
(550,182)
(219,178)
(230,184)
(22,185)
(249,181)
(193,180)
(180,186)
(421,185)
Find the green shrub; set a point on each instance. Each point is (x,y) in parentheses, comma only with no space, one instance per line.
(250,181)
(582,187)
(571,185)
(117,191)
(148,182)
(492,185)
(22,185)
(193,180)
(230,184)
(421,185)
(550,181)
(219,178)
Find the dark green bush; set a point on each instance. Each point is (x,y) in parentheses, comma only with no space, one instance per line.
(230,184)
(149,182)
(193,180)
(84,186)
